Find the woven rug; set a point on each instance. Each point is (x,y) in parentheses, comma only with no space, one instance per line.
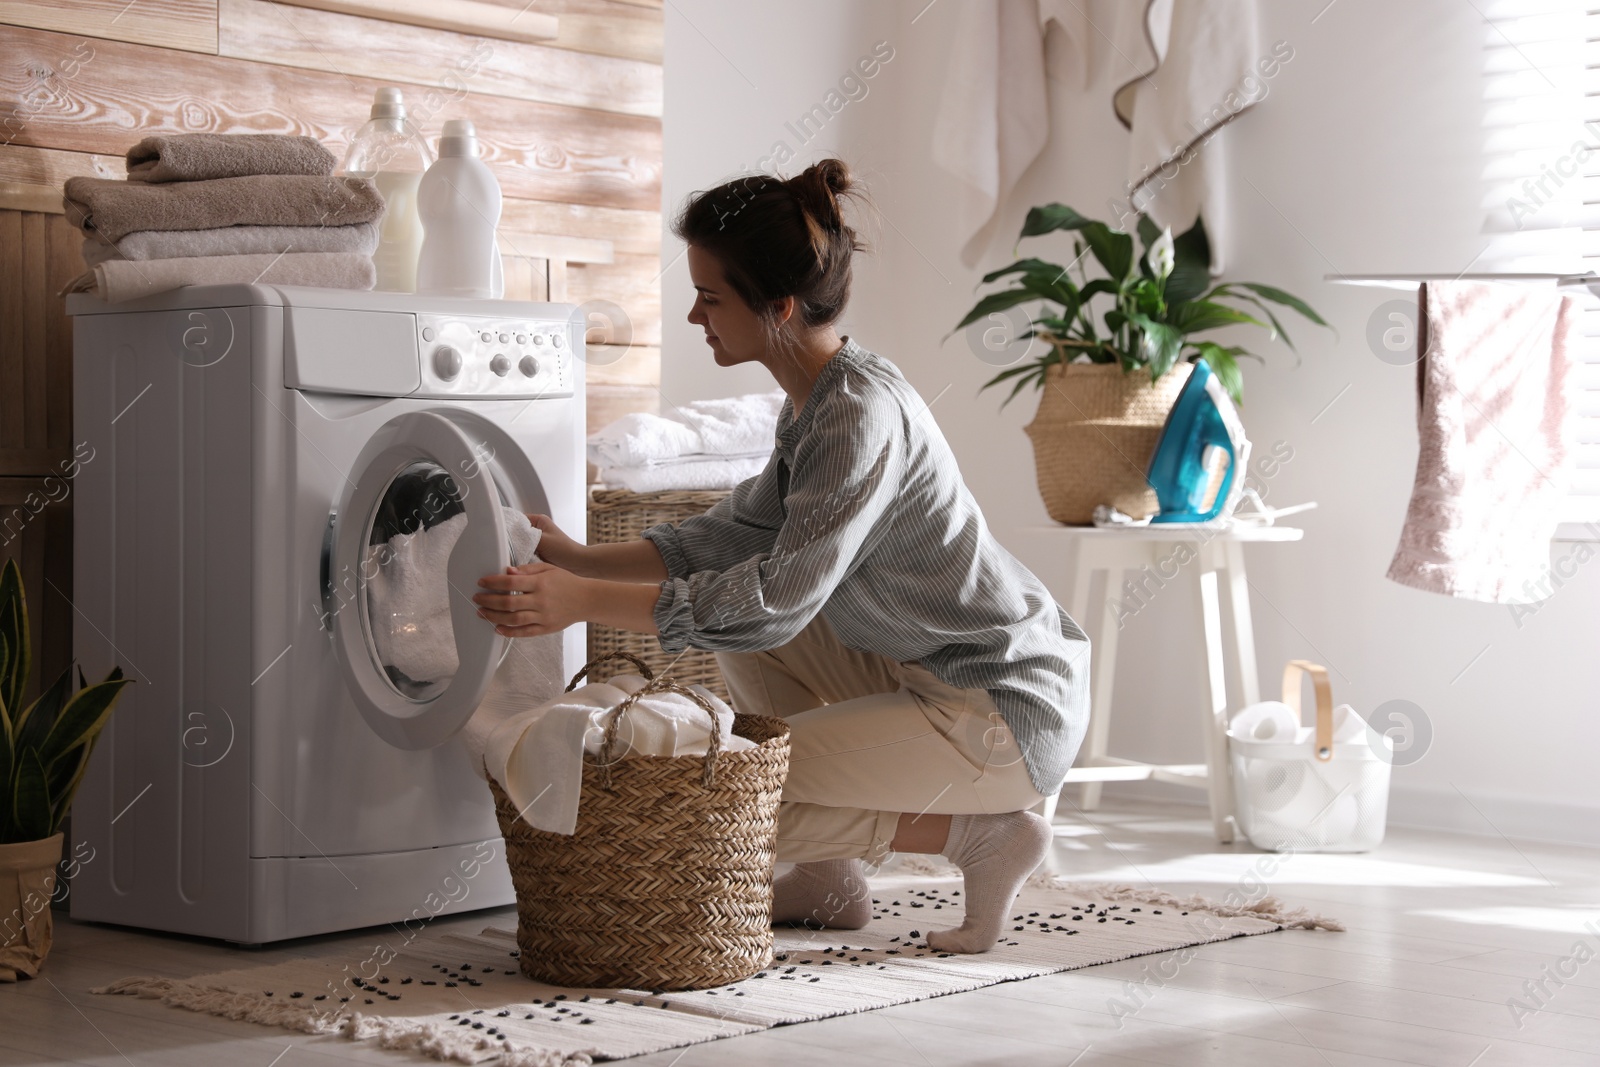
(461,998)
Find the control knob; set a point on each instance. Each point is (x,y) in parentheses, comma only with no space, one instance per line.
(529,366)
(500,365)
(446,362)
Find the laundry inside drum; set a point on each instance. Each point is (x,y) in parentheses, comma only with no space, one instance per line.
(405,583)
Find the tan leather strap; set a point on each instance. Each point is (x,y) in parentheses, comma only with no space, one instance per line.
(1324,691)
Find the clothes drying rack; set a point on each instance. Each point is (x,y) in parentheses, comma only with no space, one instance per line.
(1588,280)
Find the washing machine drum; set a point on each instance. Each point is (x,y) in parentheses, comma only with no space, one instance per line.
(419,523)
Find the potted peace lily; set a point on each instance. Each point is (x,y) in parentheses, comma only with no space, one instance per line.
(44,751)
(1106,388)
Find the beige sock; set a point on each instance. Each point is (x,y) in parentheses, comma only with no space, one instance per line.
(996,853)
(823,895)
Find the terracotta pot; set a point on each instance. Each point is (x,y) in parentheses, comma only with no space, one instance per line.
(1093,435)
(27,881)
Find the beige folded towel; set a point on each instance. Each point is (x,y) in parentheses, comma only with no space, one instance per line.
(128,279)
(233,241)
(187,157)
(112,209)
(1495,450)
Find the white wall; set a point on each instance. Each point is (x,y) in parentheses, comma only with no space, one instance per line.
(1365,157)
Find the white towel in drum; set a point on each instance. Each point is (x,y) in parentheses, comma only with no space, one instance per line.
(409,594)
(537,755)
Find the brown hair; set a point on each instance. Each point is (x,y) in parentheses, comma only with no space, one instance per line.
(778,237)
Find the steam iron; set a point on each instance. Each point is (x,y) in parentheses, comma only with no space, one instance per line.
(1196,469)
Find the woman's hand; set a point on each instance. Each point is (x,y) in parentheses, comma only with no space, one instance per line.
(534,599)
(556,547)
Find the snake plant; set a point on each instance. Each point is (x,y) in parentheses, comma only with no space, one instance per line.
(44,747)
(1159,300)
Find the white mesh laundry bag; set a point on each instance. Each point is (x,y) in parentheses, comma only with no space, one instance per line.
(1318,787)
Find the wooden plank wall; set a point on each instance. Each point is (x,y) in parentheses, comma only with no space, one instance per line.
(571,128)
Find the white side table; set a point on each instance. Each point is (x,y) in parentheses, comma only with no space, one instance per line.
(1174,555)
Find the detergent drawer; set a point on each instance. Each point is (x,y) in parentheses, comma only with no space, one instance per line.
(365,353)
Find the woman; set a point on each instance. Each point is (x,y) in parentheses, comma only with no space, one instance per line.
(933,688)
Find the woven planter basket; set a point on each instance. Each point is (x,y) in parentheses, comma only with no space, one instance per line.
(620,515)
(667,881)
(1093,435)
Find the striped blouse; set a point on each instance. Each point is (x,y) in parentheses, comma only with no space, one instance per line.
(862,514)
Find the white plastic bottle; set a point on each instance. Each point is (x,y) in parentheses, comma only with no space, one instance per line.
(459,203)
(394,154)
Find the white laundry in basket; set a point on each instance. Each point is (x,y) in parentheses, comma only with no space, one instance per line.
(537,755)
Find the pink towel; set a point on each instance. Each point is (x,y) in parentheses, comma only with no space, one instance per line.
(1495,452)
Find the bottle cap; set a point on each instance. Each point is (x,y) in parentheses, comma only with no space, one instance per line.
(458,138)
(387,103)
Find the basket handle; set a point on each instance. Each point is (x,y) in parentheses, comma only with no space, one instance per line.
(644,668)
(1324,694)
(658,685)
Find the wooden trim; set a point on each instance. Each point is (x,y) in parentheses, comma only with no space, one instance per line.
(19,196)
(622,28)
(34,462)
(190,25)
(268,32)
(554,246)
(464,16)
(635,365)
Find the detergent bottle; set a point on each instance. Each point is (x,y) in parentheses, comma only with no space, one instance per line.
(391,151)
(459,203)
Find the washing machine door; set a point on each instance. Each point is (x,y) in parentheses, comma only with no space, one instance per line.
(420,522)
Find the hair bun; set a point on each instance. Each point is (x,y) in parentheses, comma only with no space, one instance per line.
(818,189)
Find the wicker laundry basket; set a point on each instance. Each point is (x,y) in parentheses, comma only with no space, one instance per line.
(621,515)
(1093,435)
(667,881)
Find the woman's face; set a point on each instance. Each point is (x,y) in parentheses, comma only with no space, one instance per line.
(734,332)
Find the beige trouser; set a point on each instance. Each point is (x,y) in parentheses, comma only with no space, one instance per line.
(871,738)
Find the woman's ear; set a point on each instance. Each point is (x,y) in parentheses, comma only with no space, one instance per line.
(783,309)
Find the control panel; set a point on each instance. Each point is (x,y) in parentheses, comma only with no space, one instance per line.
(495,357)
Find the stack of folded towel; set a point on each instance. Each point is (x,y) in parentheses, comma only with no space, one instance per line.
(705,444)
(212,208)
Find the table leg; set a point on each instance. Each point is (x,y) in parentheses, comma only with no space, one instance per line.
(1101,677)
(1216,704)
(1244,635)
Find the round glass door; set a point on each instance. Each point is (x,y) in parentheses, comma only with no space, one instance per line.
(420,523)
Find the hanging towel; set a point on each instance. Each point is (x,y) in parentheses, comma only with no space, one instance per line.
(537,755)
(1196,62)
(723,428)
(1495,446)
(1184,65)
(360,238)
(994,111)
(112,209)
(118,280)
(408,594)
(186,157)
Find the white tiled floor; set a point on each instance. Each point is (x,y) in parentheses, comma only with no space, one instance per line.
(1444,931)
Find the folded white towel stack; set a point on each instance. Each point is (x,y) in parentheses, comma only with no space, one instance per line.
(705,444)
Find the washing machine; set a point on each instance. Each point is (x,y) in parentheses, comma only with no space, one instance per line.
(246,452)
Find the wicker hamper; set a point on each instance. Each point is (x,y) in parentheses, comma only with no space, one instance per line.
(621,515)
(667,881)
